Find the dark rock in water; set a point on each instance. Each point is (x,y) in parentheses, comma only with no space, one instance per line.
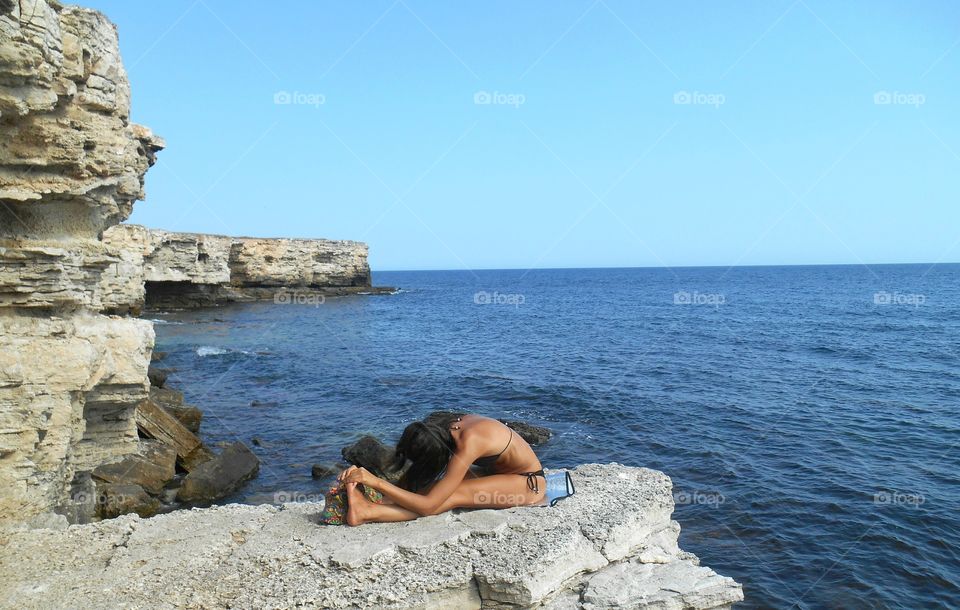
(188,415)
(166,396)
(322,471)
(263,403)
(154,421)
(151,468)
(219,476)
(371,454)
(195,458)
(172,401)
(158,376)
(158,356)
(115,500)
(535,435)
(256,442)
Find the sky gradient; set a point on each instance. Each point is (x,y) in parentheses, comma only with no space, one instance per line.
(601,133)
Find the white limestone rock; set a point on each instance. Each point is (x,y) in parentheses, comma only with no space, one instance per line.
(265,556)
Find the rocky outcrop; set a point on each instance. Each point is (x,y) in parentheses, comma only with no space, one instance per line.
(177,270)
(611,545)
(71,165)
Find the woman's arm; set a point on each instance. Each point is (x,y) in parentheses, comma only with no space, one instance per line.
(421,504)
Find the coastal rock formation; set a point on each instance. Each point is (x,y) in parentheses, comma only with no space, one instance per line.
(71,165)
(612,544)
(180,270)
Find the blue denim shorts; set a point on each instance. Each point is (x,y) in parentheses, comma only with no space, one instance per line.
(559,486)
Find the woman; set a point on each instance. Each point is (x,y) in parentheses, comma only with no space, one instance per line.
(458,460)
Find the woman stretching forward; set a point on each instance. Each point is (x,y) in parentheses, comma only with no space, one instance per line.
(458,460)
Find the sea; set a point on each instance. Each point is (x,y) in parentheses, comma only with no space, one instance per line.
(809,416)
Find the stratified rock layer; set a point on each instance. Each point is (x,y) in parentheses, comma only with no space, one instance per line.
(71,165)
(612,544)
(166,269)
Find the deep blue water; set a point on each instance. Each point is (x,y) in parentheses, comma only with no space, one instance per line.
(811,428)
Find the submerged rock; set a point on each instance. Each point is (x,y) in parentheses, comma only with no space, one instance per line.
(590,550)
(322,471)
(220,476)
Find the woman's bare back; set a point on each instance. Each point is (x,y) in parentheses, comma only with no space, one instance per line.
(493,438)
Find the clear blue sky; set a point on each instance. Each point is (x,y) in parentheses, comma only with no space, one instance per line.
(585,158)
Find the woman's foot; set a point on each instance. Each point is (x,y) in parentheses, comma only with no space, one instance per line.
(357,505)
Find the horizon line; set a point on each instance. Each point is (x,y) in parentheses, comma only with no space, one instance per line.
(666,267)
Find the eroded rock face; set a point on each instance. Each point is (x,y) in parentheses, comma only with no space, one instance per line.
(177,270)
(71,165)
(612,544)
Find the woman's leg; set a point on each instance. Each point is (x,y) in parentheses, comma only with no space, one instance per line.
(360,510)
(494,491)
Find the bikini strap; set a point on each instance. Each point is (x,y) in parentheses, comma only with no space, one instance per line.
(532,483)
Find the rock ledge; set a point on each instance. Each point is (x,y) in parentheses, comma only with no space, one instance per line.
(612,544)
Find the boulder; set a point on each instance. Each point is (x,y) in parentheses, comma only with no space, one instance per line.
(370,453)
(322,471)
(219,476)
(158,376)
(157,356)
(535,435)
(172,401)
(166,396)
(155,422)
(115,500)
(151,468)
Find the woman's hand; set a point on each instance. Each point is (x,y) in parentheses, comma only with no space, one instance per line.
(356,474)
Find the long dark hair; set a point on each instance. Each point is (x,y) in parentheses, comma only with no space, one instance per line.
(428,445)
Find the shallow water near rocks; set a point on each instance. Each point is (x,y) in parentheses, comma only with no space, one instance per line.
(807,415)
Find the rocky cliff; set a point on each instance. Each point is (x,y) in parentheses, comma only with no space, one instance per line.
(163,269)
(611,545)
(71,165)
